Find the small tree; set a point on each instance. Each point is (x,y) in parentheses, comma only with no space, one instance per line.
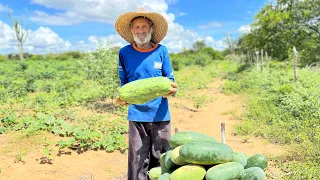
(102,67)
(197,46)
(20,34)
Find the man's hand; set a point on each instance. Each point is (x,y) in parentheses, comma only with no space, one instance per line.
(173,90)
(119,101)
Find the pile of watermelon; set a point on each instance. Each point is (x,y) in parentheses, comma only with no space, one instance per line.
(196,156)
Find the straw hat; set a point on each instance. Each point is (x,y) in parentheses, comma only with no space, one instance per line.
(160,27)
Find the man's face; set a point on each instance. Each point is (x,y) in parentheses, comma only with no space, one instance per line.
(141,30)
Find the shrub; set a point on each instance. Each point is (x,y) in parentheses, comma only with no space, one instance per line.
(203,59)
(176,63)
(283,112)
(213,53)
(36,57)
(73,54)
(3,58)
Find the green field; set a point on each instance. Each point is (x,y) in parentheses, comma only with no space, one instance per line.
(73,100)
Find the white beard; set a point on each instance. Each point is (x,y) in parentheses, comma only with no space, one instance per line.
(141,41)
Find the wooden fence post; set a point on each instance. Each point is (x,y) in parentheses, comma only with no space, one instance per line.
(261,68)
(267,59)
(295,61)
(223,137)
(252,58)
(257,59)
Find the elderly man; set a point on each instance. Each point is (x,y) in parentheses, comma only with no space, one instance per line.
(149,123)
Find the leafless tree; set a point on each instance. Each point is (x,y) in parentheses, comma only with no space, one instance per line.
(20,34)
(231,43)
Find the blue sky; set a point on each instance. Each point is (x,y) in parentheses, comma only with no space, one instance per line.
(63,25)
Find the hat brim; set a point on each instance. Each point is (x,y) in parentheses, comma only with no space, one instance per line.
(160,25)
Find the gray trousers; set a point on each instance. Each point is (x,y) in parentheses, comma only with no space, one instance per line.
(147,141)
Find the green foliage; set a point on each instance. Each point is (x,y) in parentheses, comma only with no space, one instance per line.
(59,56)
(73,54)
(197,46)
(304,170)
(278,27)
(47,151)
(17,57)
(202,59)
(92,133)
(3,58)
(176,63)
(283,112)
(18,157)
(200,102)
(216,55)
(48,84)
(102,67)
(200,55)
(193,78)
(36,57)
(42,86)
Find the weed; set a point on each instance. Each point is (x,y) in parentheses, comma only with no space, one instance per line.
(18,157)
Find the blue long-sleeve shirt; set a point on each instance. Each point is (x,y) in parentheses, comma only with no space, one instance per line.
(137,64)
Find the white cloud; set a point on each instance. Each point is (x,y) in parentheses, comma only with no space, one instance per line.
(73,11)
(171,1)
(67,18)
(211,25)
(4,8)
(182,14)
(46,39)
(218,45)
(108,10)
(42,40)
(115,40)
(105,11)
(245,29)
(179,38)
(7,37)
(93,42)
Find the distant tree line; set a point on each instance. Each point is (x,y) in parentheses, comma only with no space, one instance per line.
(199,54)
